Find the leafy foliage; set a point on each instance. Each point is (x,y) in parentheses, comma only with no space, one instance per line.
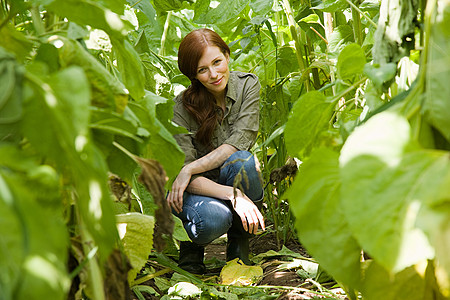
(86,85)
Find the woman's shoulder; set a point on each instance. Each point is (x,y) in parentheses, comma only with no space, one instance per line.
(240,74)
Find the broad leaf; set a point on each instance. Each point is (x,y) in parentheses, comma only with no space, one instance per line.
(331,5)
(93,14)
(380,74)
(381,191)
(136,233)
(287,61)
(350,62)
(436,104)
(226,10)
(130,67)
(237,273)
(341,36)
(307,122)
(314,198)
(407,284)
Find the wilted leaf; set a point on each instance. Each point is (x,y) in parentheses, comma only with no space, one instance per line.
(237,273)
(154,178)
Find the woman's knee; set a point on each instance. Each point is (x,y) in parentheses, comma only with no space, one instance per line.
(210,225)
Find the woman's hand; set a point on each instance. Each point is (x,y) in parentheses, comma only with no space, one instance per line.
(249,213)
(175,197)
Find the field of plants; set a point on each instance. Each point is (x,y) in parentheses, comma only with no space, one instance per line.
(354,145)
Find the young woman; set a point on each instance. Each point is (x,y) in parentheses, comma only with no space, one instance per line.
(220,110)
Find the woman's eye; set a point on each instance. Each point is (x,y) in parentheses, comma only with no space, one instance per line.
(202,70)
(217,61)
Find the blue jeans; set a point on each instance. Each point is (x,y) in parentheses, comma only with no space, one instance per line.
(206,218)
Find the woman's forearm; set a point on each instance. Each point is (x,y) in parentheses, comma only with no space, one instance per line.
(206,187)
(212,160)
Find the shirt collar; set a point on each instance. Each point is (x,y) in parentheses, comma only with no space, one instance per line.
(231,88)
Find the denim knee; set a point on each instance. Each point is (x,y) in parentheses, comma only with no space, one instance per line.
(205,218)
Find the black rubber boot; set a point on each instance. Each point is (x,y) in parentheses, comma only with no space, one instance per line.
(191,258)
(238,247)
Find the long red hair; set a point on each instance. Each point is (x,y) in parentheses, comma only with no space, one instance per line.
(197,100)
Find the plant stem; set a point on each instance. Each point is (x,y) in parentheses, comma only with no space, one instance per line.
(164,35)
(362,13)
(295,36)
(357,28)
(151,276)
(37,21)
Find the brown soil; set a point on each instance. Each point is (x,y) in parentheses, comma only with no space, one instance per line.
(215,254)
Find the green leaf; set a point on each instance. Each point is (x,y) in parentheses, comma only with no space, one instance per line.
(350,62)
(136,234)
(15,41)
(341,36)
(32,260)
(130,67)
(162,146)
(56,113)
(307,122)
(11,76)
(106,90)
(287,61)
(221,14)
(331,5)
(261,7)
(380,74)
(314,198)
(167,5)
(436,105)
(381,190)
(93,14)
(380,284)
(237,273)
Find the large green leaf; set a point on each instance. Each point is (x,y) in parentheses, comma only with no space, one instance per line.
(381,188)
(407,284)
(341,36)
(314,198)
(56,124)
(33,236)
(331,5)
(11,76)
(92,13)
(130,67)
(436,103)
(15,41)
(106,90)
(162,146)
(287,61)
(226,11)
(307,123)
(350,62)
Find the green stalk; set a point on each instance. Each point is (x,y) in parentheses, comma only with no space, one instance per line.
(164,36)
(357,27)
(37,21)
(295,36)
(362,13)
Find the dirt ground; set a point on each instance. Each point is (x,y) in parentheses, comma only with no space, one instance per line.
(272,277)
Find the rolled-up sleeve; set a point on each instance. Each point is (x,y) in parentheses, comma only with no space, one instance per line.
(245,126)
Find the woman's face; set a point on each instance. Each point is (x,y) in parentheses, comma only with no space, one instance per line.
(213,72)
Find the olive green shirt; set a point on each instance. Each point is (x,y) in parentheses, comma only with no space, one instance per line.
(239,126)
